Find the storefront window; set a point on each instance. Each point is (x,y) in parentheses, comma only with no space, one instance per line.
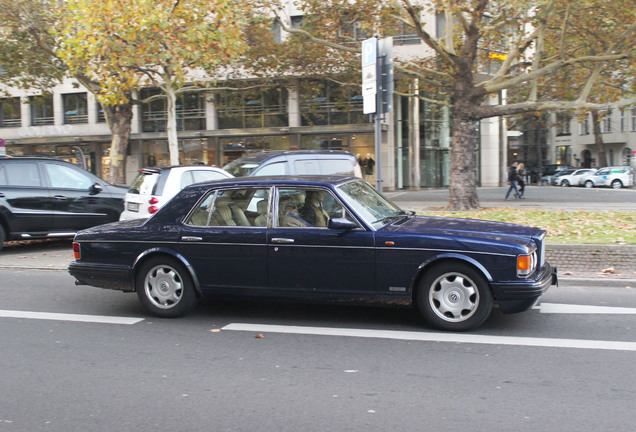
(10,112)
(41,110)
(326,103)
(75,108)
(252,108)
(190,111)
(234,148)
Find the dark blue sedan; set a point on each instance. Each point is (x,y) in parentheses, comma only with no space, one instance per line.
(318,238)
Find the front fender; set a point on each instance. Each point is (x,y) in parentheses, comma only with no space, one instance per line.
(176,255)
(458,257)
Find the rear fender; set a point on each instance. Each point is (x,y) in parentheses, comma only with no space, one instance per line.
(170,252)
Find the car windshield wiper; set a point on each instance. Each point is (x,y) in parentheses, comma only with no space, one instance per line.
(386,219)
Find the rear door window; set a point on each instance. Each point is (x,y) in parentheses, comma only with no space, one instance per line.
(278,168)
(24,174)
(336,167)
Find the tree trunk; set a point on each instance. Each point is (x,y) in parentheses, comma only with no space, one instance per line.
(598,139)
(463,186)
(119,120)
(171,126)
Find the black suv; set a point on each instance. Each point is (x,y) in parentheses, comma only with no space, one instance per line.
(46,197)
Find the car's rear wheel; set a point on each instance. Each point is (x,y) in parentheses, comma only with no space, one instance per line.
(454,296)
(589,184)
(165,288)
(565,183)
(617,184)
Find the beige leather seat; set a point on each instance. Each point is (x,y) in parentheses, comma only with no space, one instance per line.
(239,216)
(261,208)
(224,215)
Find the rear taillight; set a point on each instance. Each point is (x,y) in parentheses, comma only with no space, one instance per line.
(153,208)
(76,251)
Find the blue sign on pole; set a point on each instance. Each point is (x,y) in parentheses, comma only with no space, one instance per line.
(369,51)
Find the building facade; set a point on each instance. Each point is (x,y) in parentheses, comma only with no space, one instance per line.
(216,128)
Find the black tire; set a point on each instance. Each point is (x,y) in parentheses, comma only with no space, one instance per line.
(3,236)
(589,184)
(617,184)
(165,288)
(565,183)
(454,296)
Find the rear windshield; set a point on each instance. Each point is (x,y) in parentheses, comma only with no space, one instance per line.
(240,168)
(146,183)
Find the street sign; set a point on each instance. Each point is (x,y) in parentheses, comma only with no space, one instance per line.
(3,148)
(369,75)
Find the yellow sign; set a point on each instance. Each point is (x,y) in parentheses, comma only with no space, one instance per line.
(498,56)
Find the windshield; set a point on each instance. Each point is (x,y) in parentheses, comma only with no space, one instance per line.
(370,205)
(240,168)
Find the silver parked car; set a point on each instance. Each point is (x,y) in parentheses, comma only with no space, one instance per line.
(615,177)
(573,178)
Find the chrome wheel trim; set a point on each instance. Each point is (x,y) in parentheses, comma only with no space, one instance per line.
(163,287)
(454,297)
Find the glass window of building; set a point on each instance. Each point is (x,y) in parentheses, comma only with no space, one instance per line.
(327,103)
(10,112)
(606,122)
(101,118)
(563,124)
(235,147)
(41,110)
(263,107)
(154,112)
(75,108)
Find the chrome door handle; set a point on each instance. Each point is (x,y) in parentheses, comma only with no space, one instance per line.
(191,239)
(282,240)
(60,197)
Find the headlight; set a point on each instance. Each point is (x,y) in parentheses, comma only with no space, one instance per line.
(526,264)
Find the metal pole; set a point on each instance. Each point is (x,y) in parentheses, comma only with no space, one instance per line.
(378,124)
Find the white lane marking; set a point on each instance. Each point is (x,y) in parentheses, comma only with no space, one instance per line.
(437,337)
(99,319)
(583,309)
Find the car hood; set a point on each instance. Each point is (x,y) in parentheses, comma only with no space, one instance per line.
(456,227)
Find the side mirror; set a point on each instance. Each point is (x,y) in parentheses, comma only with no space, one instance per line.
(341,224)
(95,189)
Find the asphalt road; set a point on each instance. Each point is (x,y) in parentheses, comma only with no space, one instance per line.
(71,363)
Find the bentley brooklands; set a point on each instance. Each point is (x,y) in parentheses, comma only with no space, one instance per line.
(315,238)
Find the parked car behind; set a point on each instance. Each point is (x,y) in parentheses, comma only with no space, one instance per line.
(47,197)
(555,179)
(615,177)
(153,187)
(550,172)
(573,177)
(245,237)
(295,162)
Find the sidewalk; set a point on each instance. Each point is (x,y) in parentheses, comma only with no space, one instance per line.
(40,256)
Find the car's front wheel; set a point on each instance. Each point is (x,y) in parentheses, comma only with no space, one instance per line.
(165,288)
(617,184)
(589,184)
(565,183)
(454,296)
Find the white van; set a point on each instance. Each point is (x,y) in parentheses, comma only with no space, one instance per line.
(295,162)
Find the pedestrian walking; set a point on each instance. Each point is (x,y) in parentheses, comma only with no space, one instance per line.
(521,171)
(512,181)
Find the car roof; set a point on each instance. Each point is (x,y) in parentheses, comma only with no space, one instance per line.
(304,180)
(261,156)
(22,158)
